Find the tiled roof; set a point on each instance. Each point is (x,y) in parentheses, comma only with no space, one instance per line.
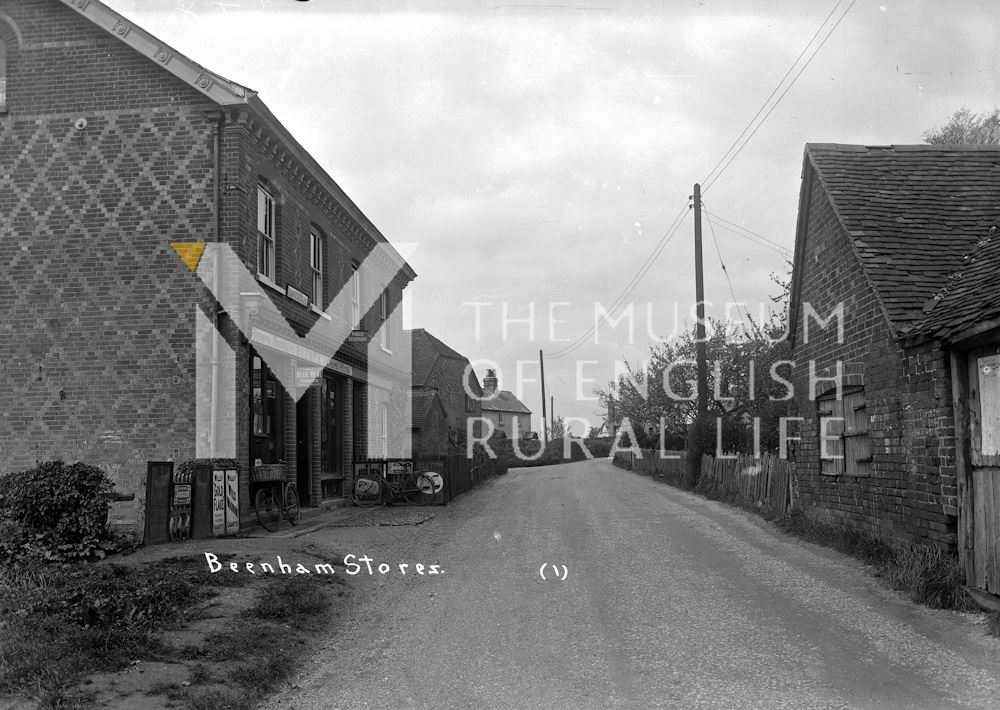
(913,212)
(425,350)
(970,297)
(424,402)
(505,401)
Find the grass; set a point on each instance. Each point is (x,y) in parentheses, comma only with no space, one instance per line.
(266,644)
(61,623)
(993,623)
(266,671)
(928,574)
(293,601)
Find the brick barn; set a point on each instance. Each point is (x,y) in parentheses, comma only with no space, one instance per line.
(113,146)
(894,283)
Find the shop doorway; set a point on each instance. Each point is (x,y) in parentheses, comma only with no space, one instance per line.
(303,447)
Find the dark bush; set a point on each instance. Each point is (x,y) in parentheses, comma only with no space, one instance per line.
(527,452)
(54,511)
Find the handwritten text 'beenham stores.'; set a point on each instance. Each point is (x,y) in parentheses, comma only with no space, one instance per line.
(352,565)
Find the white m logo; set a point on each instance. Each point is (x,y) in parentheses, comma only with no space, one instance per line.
(298,362)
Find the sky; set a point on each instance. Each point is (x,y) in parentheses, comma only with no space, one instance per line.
(538,153)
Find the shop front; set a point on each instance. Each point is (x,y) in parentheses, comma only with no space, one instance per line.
(311,437)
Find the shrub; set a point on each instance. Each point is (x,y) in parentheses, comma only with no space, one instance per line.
(528,450)
(71,501)
(55,511)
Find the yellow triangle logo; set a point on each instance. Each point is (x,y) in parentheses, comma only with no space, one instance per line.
(189,252)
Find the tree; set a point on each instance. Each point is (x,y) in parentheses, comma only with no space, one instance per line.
(966,127)
(740,382)
(557,429)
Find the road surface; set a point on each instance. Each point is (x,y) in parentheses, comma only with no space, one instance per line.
(669,600)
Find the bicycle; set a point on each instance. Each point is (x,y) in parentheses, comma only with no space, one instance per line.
(271,509)
(416,488)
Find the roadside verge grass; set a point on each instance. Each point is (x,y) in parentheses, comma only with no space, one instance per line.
(61,624)
(928,574)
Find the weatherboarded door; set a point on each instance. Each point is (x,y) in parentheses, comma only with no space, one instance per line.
(984,447)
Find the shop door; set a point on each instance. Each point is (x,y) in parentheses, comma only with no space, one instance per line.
(303,447)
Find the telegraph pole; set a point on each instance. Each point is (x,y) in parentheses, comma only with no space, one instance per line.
(699,289)
(545,421)
(552,410)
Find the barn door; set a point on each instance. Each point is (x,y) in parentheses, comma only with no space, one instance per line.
(984,447)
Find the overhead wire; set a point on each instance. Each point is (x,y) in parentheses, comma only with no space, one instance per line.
(725,271)
(710,182)
(741,231)
(633,282)
(716,172)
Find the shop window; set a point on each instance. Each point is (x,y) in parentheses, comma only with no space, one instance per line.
(265,412)
(330,435)
(265,233)
(842,424)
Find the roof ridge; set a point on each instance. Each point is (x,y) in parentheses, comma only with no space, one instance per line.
(904,147)
(216,87)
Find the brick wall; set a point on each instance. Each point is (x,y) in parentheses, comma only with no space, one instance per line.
(446,377)
(909,494)
(431,439)
(96,354)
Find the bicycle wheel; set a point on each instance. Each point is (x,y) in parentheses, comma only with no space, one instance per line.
(291,506)
(367,491)
(268,511)
(418,489)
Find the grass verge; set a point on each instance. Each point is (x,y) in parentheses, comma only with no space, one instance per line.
(62,623)
(928,574)
(265,645)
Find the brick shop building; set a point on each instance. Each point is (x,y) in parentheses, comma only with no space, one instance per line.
(113,147)
(894,283)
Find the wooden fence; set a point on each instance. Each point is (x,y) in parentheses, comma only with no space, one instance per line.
(669,465)
(766,480)
(459,474)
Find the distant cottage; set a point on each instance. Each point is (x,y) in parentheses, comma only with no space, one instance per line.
(507,413)
(896,285)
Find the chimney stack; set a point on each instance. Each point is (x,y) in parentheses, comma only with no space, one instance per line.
(490,382)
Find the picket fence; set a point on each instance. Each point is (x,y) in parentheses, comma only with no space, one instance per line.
(765,481)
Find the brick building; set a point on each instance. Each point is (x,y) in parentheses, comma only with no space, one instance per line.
(113,146)
(508,414)
(431,433)
(883,235)
(439,368)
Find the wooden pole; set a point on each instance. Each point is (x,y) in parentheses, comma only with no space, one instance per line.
(699,289)
(545,421)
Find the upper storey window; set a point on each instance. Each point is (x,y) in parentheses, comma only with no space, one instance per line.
(3,76)
(265,233)
(316,262)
